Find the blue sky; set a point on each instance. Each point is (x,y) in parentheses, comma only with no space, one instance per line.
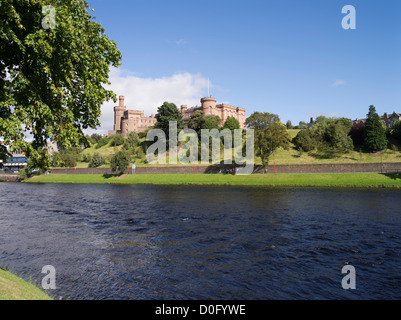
(289,57)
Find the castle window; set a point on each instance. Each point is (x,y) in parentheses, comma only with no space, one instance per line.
(210,110)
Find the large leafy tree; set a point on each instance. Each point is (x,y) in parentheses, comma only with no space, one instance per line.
(199,121)
(166,113)
(270,134)
(231,124)
(374,135)
(52,74)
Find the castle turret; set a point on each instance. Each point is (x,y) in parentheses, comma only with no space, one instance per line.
(208,105)
(118,114)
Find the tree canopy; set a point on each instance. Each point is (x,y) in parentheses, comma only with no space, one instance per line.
(168,112)
(270,134)
(374,135)
(52,75)
(331,136)
(231,124)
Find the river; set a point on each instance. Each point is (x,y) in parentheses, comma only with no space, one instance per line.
(179,242)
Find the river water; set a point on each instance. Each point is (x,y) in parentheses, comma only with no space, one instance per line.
(179,242)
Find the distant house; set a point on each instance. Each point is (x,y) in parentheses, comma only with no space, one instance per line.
(387,119)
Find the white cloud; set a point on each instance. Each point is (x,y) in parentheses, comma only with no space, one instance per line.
(147,94)
(339,83)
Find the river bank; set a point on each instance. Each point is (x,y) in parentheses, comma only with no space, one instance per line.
(360,180)
(15,288)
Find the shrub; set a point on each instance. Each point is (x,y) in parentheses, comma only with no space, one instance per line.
(119,161)
(304,141)
(102,142)
(118,140)
(96,161)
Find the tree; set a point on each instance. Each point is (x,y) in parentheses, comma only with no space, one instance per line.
(231,124)
(119,161)
(96,161)
(52,77)
(165,114)
(118,140)
(337,136)
(289,125)
(270,134)
(199,121)
(374,137)
(196,120)
(330,136)
(304,141)
(302,125)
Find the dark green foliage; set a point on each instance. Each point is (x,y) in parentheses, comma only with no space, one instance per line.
(52,80)
(231,124)
(330,136)
(270,134)
(117,140)
(120,161)
(131,142)
(96,161)
(165,114)
(86,157)
(94,138)
(304,141)
(374,138)
(70,157)
(356,133)
(394,132)
(102,142)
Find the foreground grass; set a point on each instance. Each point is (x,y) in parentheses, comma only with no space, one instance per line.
(15,288)
(390,180)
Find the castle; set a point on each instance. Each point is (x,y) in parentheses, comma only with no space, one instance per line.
(126,121)
(209,107)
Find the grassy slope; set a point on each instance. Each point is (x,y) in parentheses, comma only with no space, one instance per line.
(15,288)
(299,179)
(281,157)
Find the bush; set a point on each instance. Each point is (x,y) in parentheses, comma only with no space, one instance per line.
(102,142)
(304,141)
(131,142)
(96,161)
(86,157)
(118,140)
(120,161)
(70,157)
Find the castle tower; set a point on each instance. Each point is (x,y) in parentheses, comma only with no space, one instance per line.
(118,114)
(208,105)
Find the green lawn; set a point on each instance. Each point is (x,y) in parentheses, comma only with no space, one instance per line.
(296,179)
(15,288)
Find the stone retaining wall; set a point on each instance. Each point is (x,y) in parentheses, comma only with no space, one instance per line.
(9,177)
(337,168)
(151,170)
(307,168)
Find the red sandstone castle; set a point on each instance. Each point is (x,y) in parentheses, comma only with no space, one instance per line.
(126,121)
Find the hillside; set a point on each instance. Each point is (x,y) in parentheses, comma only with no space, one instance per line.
(281,157)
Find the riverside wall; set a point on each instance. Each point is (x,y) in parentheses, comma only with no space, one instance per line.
(307,168)
(9,177)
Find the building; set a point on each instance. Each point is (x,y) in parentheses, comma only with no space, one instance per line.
(126,121)
(387,119)
(15,162)
(209,107)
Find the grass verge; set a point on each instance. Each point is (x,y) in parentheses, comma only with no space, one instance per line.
(363,180)
(15,288)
